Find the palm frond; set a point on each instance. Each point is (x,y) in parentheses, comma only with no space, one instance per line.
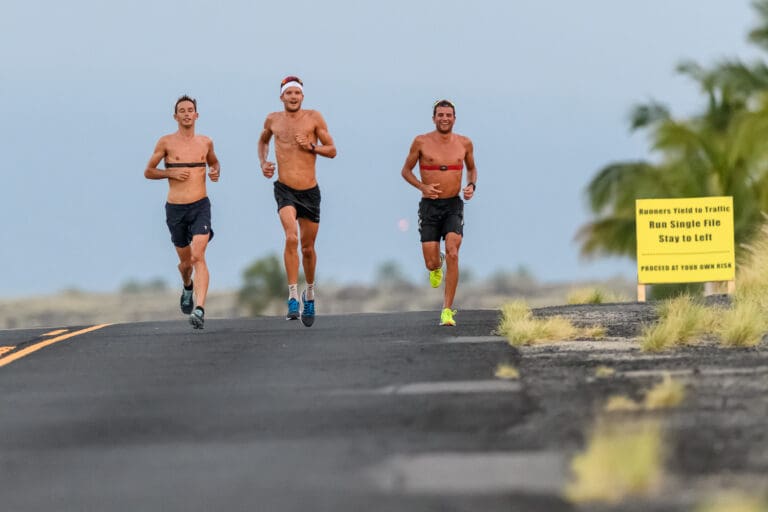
(608,236)
(759,35)
(647,114)
(614,179)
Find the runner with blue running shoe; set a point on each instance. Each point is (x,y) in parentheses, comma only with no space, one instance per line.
(300,136)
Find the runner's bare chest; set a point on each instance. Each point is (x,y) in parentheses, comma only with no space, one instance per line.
(191,151)
(437,154)
(285,129)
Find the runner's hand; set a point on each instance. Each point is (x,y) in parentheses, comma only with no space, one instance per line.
(430,191)
(303,142)
(268,169)
(179,174)
(214,172)
(469,191)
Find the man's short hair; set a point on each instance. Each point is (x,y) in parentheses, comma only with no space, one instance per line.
(184,98)
(443,103)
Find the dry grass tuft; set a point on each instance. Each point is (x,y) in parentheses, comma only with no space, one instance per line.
(621,460)
(681,320)
(666,394)
(513,312)
(602,372)
(520,327)
(621,403)
(753,271)
(507,372)
(594,331)
(734,502)
(592,296)
(743,325)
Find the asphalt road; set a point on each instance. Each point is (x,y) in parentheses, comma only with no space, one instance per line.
(367,413)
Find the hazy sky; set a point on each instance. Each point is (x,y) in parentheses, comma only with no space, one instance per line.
(543,88)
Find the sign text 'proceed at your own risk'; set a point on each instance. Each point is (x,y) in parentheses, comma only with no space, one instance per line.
(685,240)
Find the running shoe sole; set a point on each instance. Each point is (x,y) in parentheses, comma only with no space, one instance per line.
(197,321)
(307,317)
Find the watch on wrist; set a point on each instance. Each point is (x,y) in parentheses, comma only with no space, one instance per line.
(474,187)
(313,147)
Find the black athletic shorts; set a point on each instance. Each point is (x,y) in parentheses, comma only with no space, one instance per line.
(306,202)
(186,220)
(438,217)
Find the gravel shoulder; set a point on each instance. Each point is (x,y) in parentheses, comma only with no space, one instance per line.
(716,440)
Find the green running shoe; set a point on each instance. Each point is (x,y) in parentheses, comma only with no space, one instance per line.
(436,276)
(446,317)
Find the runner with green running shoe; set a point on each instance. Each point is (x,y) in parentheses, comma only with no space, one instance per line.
(441,155)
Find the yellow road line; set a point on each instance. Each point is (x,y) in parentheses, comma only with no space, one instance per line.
(54,333)
(37,346)
(3,350)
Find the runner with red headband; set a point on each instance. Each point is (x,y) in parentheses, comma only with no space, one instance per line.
(441,155)
(300,136)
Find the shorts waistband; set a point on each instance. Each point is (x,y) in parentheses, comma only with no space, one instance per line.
(295,190)
(199,202)
(442,199)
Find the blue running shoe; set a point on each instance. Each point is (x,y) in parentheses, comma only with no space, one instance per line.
(293,310)
(308,314)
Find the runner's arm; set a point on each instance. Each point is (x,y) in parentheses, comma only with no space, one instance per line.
(152,172)
(410,163)
(213,163)
(429,191)
(326,147)
(469,160)
(267,167)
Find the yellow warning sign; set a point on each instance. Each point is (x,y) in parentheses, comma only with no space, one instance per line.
(685,240)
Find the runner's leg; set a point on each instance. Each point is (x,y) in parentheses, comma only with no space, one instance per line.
(197,252)
(452,245)
(308,256)
(185,264)
(291,252)
(431,251)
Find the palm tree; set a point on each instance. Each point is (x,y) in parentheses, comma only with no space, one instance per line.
(720,152)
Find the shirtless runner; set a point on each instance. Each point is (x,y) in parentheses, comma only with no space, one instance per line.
(188,210)
(300,135)
(441,155)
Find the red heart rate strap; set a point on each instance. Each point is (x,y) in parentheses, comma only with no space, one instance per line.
(457,167)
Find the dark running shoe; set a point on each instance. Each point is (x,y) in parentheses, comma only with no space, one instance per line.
(293,310)
(186,302)
(196,318)
(308,314)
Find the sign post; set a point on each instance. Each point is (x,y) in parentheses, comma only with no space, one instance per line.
(687,240)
